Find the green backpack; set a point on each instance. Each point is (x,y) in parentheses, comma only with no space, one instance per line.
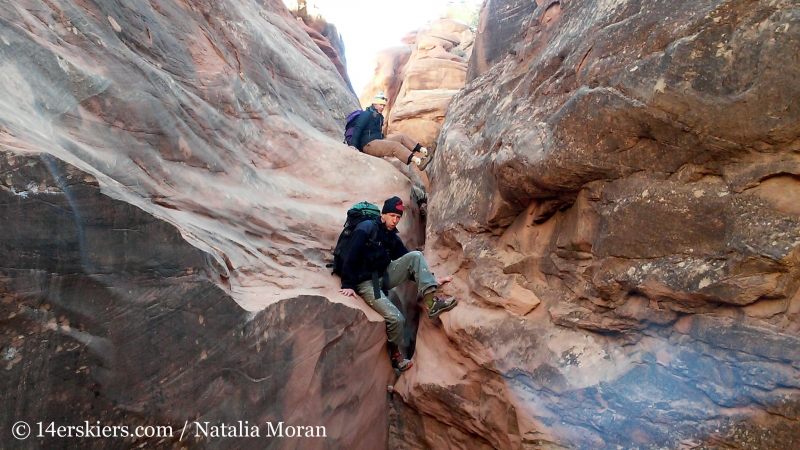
(355,215)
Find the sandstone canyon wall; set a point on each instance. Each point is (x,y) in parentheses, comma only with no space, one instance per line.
(389,73)
(324,34)
(172,183)
(616,189)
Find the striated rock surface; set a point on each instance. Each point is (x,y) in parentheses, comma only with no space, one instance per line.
(324,34)
(172,183)
(615,189)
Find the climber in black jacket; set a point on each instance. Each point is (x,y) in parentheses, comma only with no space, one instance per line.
(377,260)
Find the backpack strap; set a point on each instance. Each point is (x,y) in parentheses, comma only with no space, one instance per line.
(376,287)
(382,281)
(374,233)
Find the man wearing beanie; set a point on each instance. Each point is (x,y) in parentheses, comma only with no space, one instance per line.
(368,137)
(376,261)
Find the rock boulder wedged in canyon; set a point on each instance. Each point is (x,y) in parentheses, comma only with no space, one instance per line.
(614,192)
(172,184)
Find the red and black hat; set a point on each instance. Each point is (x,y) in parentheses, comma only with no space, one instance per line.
(393,205)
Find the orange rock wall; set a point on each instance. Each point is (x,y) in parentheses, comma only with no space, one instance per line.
(612,189)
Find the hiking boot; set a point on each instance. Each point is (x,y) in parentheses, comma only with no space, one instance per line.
(419,196)
(441,305)
(400,363)
(424,163)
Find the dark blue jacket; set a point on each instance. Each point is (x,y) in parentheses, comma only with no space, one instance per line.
(369,127)
(363,258)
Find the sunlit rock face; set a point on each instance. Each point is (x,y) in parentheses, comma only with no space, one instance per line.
(172,183)
(616,190)
(421,77)
(390,67)
(323,33)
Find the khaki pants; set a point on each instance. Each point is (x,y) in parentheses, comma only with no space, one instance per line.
(399,270)
(397,145)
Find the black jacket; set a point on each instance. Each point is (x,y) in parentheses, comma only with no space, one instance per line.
(369,127)
(363,258)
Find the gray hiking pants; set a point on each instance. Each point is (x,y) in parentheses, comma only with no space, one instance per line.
(399,270)
(397,145)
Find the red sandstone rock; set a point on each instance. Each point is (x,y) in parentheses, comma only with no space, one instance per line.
(173,183)
(389,69)
(325,35)
(630,165)
(614,192)
(436,70)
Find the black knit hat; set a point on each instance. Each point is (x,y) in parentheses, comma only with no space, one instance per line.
(393,205)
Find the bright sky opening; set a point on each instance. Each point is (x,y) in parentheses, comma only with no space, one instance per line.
(369,26)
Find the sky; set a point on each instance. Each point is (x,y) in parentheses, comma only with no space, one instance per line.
(369,26)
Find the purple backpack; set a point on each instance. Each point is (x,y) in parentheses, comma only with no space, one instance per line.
(350,126)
